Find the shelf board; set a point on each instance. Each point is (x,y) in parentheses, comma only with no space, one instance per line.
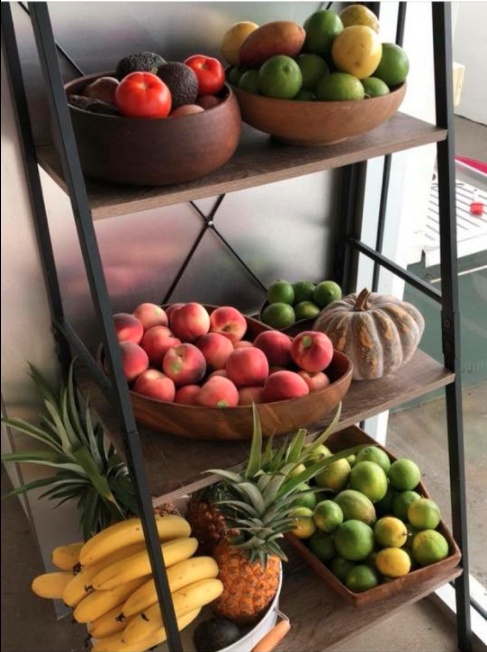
(258,160)
(175,466)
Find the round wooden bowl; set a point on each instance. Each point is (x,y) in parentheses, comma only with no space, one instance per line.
(317,123)
(148,152)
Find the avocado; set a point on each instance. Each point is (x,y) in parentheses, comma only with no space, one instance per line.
(139,62)
(215,634)
(181,81)
(92,105)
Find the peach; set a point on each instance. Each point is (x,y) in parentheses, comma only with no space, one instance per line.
(185,364)
(146,377)
(186,109)
(228,321)
(134,360)
(283,385)
(316,381)
(174,306)
(208,101)
(219,372)
(190,322)
(247,366)
(242,344)
(216,348)
(128,328)
(218,392)
(276,346)
(312,351)
(150,315)
(156,341)
(273,370)
(159,387)
(102,89)
(249,395)
(187,394)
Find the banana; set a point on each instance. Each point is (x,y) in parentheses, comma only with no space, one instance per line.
(185,600)
(139,565)
(99,603)
(109,624)
(66,557)
(51,585)
(127,532)
(180,575)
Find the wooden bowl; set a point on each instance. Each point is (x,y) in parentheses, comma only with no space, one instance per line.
(148,152)
(317,123)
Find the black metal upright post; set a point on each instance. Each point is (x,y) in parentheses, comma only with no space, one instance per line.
(443,62)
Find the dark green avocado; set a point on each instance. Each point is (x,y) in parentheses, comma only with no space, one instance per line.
(181,81)
(139,62)
(215,634)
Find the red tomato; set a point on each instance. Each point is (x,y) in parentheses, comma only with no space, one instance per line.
(210,73)
(143,95)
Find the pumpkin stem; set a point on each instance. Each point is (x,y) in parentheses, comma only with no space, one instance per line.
(361,303)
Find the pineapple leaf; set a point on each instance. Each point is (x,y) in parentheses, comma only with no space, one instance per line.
(272,489)
(320,439)
(267,457)
(254,543)
(296,446)
(241,505)
(58,426)
(99,482)
(279,456)
(24,488)
(32,431)
(41,383)
(91,438)
(72,436)
(35,459)
(255,459)
(276,550)
(263,481)
(251,492)
(227,475)
(72,406)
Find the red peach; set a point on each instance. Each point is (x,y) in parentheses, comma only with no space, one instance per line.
(312,351)
(249,395)
(161,387)
(283,385)
(150,315)
(247,366)
(147,377)
(156,341)
(134,360)
(128,328)
(186,109)
(216,348)
(316,381)
(174,306)
(276,346)
(243,344)
(218,392)
(190,322)
(228,321)
(185,364)
(208,101)
(187,395)
(219,372)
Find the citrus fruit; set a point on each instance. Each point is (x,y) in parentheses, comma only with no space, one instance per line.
(303,291)
(327,516)
(375,87)
(335,476)
(384,506)
(412,532)
(339,86)
(404,475)
(321,544)
(429,546)
(390,532)
(393,562)
(305,96)
(280,77)
(326,292)
(361,578)
(351,459)
(304,526)
(249,82)
(401,504)
(340,567)
(278,315)
(299,468)
(394,65)
(357,50)
(233,39)
(369,479)
(234,73)
(308,499)
(306,310)
(424,514)
(356,506)
(280,291)
(318,454)
(354,540)
(313,68)
(359,15)
(322,28)
(375,454)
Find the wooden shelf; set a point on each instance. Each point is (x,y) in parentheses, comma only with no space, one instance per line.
(175,466)
(258,161)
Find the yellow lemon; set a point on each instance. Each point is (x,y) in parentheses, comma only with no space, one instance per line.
(233,39)
(393,562)
(391,532)
(357,51)
(304,526)
(359,15)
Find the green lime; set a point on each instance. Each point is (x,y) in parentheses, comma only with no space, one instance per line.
(234,73)
(280,77)
(375,87)
(278,315)
(318,454)
(356,506)
(375,454)
(322,28)
(307,499)
(370,479)
(326,292)
(339,86)
(429,546)
(340,567)
(424,514)
(327,516)
(394,65)
(351,459)
(390,532)
(305,96)
(322,545)
(280,292)
(404,475)
(335,476)
(313,68)
(249,82)
(354,540)
(303,291)
(384,507)
(304,526)
(306,310)
(361,578)
(401,504)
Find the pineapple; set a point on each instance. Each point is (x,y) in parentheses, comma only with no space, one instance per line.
(208,524)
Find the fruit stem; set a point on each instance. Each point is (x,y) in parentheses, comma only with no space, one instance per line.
(361,302)
(306,341)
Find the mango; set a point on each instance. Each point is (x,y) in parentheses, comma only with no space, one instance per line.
(279,37)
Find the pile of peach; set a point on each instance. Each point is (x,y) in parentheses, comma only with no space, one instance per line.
(185,355)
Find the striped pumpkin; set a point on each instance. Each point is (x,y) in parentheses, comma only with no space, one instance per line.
(377,332)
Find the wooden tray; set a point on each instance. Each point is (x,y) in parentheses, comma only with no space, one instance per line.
(406,585)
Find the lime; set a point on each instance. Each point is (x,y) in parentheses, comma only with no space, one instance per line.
(424,514)
(326,292)
(393,562)
(234,73)
(429,547)
(359,15)
(304,526)
(390,532)
(351,459)
(313,68)
(340,567)
(322,28)
(306,310)
(375,454)
(339,86)
(318,454)
(305,96)
(322,545)
(299,468)
(370,479)
(327,516)
(401,504)
(307,499)
(249,82)
(278,315)
(280,291)
(356,506)
(394,65)
(361,578)
(335,476)
(375,87)
(404,475)
(354,540)
(303,291)
(280,77)
(384,507)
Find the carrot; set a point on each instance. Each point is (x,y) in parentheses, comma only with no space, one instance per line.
(273,638)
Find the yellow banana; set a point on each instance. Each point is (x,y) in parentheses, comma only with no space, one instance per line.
(108,624)
(51,585)
(127,532)
(139,565)
(185,600)
(66,557)
(180,575)
(99,603)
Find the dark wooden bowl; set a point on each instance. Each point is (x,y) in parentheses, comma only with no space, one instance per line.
(317,123)
(347,438)
(154,152)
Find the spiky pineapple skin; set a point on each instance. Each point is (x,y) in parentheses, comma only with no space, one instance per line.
(208,524)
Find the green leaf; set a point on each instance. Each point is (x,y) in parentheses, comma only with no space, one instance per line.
(255,459)
(59,427)
(83,456)
(42,384)
(32,431)
(227,475)
(320,439)
(37,458)
(29,486)
(91,439)
(254,542)
(267,457)
(249,490)
(240,504)
(73,437)
(296,446)
(73,411)
(272,489)
(279,456)
(29,456)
